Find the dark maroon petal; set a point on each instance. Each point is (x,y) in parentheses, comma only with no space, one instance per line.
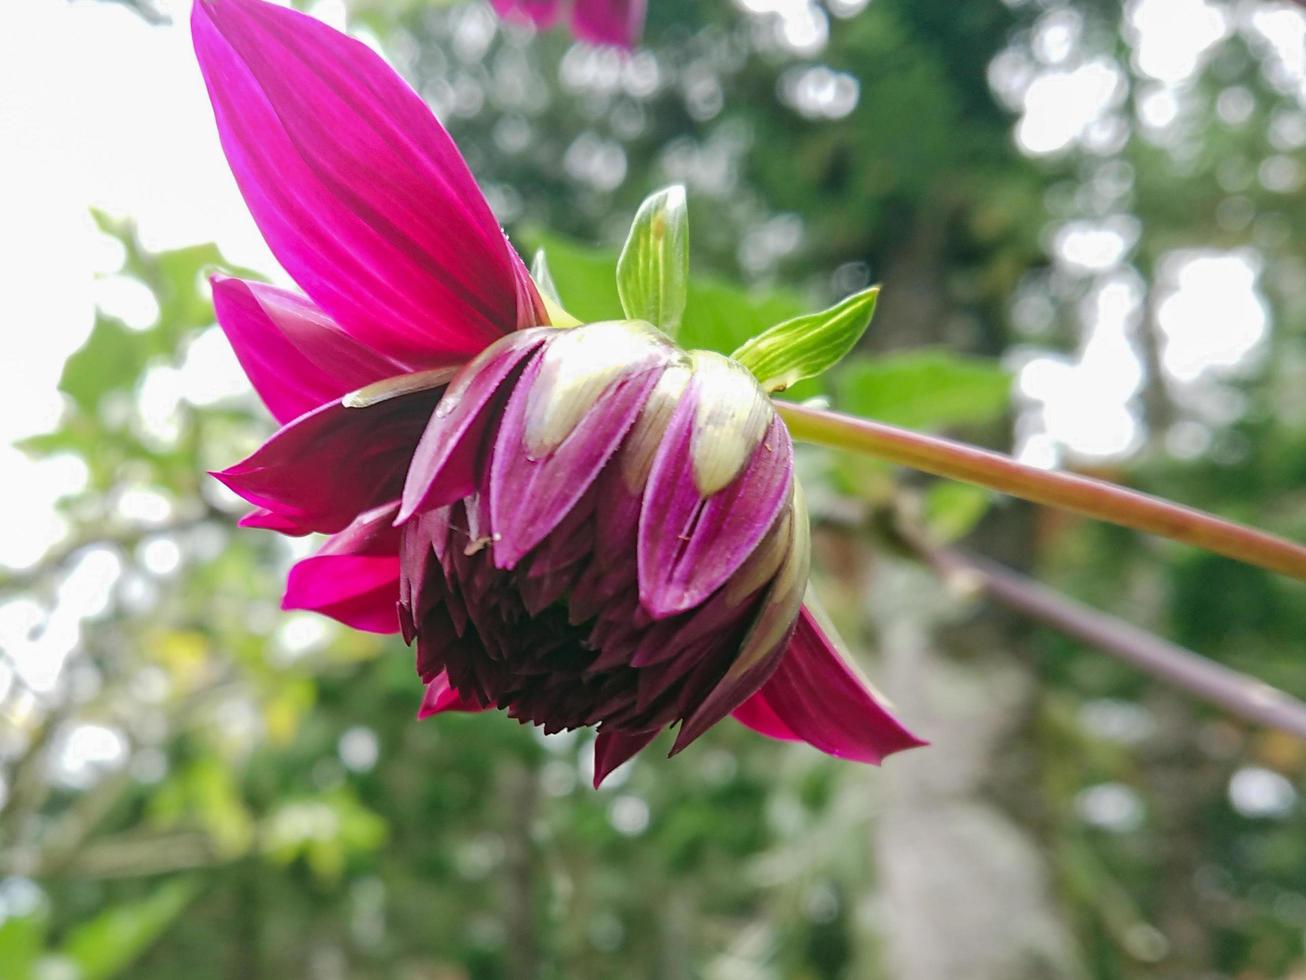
(616,22)
(445,463)
(330,465)
(611,749)
(689,546)
(359,191)
(295,355)
(817,697)
(532,490)
(269,521)
(441,696)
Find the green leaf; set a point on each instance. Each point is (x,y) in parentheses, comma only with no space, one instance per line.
(721,316)
(807,346)
(21,942)
(113,940)
(653,270)
(952,510)
(929,389)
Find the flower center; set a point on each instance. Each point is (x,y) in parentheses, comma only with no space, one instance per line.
(559,641)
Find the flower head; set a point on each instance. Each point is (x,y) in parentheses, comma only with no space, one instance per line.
(583,525)
(612,22)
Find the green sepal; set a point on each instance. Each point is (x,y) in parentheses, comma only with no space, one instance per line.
(808,345)
(543,277)
(558,316)
(653,271)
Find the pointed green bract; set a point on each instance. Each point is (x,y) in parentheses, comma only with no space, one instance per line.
(653,271)
(543,277)
(808,345)
(558,316)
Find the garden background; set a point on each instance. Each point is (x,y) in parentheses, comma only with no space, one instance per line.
(1089,222)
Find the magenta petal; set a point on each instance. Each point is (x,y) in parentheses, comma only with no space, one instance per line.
(531,311)
(357,590)
(267,520)
(295,356)
(441,696)
(358,189)
(444,465)
(688,545)
(530,493)
(616,22)
(611,749)
(542,13)
(816,697)
(756,713)
(354,577)
(333,463)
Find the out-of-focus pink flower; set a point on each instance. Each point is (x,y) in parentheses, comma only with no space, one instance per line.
(584,526)
(613,22)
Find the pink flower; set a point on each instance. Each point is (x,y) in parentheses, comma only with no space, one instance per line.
(615,22)
(584,526)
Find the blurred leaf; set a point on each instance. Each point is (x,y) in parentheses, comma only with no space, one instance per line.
(925,389)
(953,509)
(114,939)
(653,270)
(112,359)
(21,942)
(324,831)
(808,346)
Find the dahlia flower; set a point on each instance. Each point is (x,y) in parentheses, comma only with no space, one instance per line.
(612,22)
(582,525)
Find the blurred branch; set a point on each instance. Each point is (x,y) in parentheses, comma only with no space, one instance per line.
(145,10)
(124,856)
(126,539)
(1236,692)
(1067,491)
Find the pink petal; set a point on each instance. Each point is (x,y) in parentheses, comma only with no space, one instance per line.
(541,13)
(616,22)
(331,464)
(816,697)
(611,749)
(267,520)
(530,494)
(688,545)
(445,462)
(357,590)
(354,577)
(441,696)
(295,355)
(359,191)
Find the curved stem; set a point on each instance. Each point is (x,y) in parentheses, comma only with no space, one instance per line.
(1067,491)
(1237,693)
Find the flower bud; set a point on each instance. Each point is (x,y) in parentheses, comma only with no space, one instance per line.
(602,529)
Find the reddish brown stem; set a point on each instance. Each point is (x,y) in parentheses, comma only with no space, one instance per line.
(1067,491)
